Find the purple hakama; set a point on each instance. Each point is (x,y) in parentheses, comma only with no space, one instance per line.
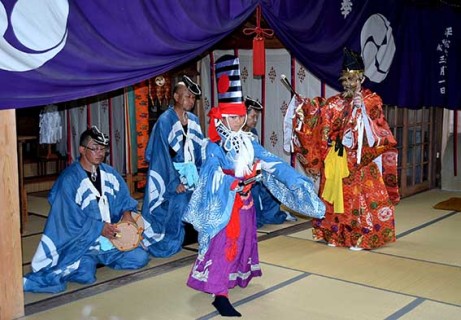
(214,273)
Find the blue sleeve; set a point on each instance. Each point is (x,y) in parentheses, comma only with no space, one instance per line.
(211,204)
(291,188)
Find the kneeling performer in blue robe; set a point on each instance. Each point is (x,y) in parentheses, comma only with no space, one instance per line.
(87,200)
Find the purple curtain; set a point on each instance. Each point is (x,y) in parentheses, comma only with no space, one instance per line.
(106,44)
(59,50)
(421,68)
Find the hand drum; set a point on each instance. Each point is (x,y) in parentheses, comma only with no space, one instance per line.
(128,237)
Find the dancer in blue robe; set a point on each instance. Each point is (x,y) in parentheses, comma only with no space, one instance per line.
(87,199)
(221,208)
(174,153)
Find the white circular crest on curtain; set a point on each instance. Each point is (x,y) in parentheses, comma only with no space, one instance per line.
(378,47)
(39,26)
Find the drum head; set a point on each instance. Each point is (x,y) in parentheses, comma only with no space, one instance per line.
(129,236)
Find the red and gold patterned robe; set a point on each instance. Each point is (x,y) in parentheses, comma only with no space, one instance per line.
(369,195)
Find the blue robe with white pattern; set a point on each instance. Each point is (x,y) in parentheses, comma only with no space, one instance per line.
(211,204)
(74,225)
(266,205)
(163,208)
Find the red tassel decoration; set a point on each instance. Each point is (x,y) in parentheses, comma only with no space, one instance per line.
(259,57)
(259,51)
(233,229)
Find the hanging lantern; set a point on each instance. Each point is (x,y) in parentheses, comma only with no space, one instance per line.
(259,51)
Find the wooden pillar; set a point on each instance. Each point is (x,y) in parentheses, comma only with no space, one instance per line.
(11,292)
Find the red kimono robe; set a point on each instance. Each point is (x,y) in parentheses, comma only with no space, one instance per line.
(370,190)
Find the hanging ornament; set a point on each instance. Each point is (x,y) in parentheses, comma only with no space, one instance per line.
(259,51)
(94,173)
(160,92)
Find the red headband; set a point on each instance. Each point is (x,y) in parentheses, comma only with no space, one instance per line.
(237,109)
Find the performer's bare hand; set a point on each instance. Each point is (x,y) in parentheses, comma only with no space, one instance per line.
(109,231)
(299,99)
(180,188)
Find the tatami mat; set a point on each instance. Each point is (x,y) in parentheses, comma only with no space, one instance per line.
(438,242)
(414,211)
(429,310)
(367,268)
(411,213)
(417,277)
(280,293)
(315,297)
(105,274)
(161,297)
(303,234)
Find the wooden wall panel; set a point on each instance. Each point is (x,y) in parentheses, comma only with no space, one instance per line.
(11,293)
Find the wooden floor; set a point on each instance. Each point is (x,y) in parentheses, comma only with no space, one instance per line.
(418,277)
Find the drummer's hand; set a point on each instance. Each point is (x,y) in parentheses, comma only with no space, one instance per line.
(109,231)
(181,188)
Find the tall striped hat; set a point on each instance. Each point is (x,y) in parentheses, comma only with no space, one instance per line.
(230,96)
